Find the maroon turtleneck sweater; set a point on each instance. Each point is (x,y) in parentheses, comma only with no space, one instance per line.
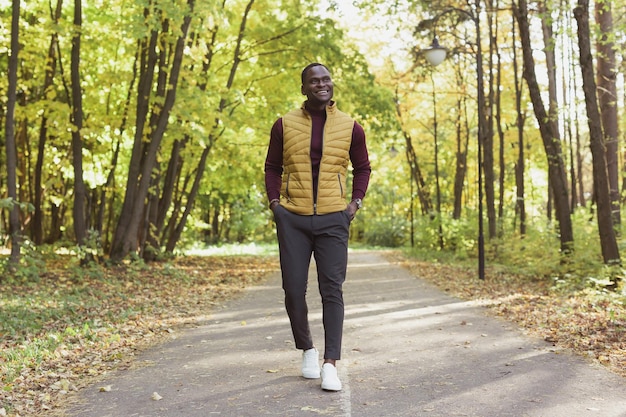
(358,156)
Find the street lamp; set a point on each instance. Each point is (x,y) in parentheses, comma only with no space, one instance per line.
(435,56)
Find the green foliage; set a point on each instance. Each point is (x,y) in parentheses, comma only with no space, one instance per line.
(30,268)
(230,108)
(381,233)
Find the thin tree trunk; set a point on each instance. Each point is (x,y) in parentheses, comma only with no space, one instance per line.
(462,140)
(607,97)
(416,174)
(567,64)
(79,213)
(169,183)
(520,201)
(608,241)
(488,134)
(9,132)
(437,179)
(553,101)
(172,222)
(498,124)
(548,129)
(36,226)
(178,230)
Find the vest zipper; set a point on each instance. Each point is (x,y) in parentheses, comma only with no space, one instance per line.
(319,173)
(340,185)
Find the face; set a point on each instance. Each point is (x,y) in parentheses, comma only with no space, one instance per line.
(318,86)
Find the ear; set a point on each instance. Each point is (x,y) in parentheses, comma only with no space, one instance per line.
(302,90)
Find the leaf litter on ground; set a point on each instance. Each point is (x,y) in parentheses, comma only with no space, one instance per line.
(68,330)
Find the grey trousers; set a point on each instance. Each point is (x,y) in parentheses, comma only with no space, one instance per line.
(326,238)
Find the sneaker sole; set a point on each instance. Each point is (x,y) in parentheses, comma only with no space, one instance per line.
(331,388)
(311,374)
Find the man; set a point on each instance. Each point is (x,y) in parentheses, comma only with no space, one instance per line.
(305,177)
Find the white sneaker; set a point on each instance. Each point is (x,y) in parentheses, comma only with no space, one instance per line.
(330,380)
(311,363)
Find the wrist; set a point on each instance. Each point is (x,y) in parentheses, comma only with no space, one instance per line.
(273,203)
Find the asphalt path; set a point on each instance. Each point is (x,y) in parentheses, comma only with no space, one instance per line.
(409,350)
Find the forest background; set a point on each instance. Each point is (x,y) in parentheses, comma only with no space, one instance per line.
(136,131)
(140,129)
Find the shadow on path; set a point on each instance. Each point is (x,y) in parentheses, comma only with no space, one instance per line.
(409,350)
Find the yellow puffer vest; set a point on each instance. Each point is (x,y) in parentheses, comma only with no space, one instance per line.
(297,185)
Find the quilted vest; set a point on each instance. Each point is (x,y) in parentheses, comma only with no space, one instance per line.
(297,184)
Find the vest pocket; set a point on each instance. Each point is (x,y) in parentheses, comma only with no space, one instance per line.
(340,185)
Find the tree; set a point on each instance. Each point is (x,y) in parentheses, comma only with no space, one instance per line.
(548,129)
(147,141)
(9,136)
(51,59)
(607,98)
(80,227)
(608,242)
(520,191)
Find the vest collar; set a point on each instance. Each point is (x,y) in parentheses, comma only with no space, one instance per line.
(330,109)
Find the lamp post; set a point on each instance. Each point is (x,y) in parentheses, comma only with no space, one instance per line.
(435,55)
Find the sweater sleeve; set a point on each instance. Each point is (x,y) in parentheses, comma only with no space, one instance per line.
(274,162)
(360,162)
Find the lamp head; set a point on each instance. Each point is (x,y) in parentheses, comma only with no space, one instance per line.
(435,54)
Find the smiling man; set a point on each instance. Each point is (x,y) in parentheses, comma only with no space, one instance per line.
(306,178)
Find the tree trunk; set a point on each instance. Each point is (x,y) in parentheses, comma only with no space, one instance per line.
(36,226)
(608,241)
(122,244)
(520,201)
(548,129)
(178,230)
(142,163)
(500,130)
(549,47)
(416,173)
(437,179)
(607,97)
(462,139)
(9,132)
(110,183)
(488,134)
(79,213)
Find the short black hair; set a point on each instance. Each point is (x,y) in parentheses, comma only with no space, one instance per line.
(311,65)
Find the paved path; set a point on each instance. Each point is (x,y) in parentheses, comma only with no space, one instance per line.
(409,350)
